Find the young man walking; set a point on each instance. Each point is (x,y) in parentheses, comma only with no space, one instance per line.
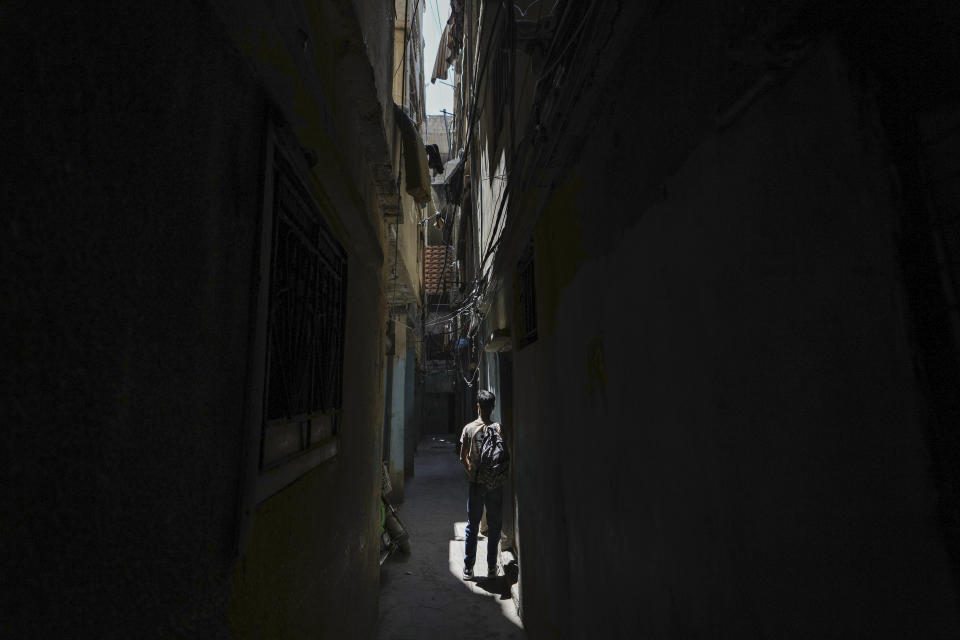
(481,494)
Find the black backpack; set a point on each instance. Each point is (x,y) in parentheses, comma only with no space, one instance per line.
(494,465)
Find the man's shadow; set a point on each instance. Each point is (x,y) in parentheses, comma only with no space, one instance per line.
(501,584)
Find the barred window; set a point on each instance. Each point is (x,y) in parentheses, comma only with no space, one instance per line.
(294,402)
(305,325)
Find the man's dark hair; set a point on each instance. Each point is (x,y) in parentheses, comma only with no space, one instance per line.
(486,400)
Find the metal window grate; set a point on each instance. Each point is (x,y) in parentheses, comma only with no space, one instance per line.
(305,326)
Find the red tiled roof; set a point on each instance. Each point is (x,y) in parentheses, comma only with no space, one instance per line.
(433,269)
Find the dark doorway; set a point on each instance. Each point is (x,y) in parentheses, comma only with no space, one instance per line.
(439,418)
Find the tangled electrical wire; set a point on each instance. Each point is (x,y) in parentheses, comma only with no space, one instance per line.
(467,316)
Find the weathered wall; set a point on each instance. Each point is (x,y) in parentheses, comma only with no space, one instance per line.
(132,155)
(310,569)
(133,148)
(411,409)
(438,418)
(403,266)
(435,132)
(718,430)
(396,410)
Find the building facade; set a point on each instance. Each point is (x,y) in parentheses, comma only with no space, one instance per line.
(403,243)
(205,211)
(708,277)
(440,131)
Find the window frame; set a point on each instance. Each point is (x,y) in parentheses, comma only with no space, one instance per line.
(264,480)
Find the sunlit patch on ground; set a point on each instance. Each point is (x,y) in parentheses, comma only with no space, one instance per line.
(423,596)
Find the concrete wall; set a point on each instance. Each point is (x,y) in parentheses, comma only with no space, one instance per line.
(718,431)
(133,149)
(435,132)
(396,411)
(403,241)
(411,411)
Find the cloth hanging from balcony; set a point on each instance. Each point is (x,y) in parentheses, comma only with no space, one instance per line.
(434,159)
(451,40)
(415,164)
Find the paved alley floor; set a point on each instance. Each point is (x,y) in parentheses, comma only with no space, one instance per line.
(423,597)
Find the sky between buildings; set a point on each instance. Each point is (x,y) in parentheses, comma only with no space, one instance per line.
(438,95)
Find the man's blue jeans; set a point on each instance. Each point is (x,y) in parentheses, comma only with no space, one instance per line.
(481,495)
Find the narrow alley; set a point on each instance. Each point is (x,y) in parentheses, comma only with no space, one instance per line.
(686,273)
(423,596)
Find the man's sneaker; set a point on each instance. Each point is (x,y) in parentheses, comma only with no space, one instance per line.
(467,574)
